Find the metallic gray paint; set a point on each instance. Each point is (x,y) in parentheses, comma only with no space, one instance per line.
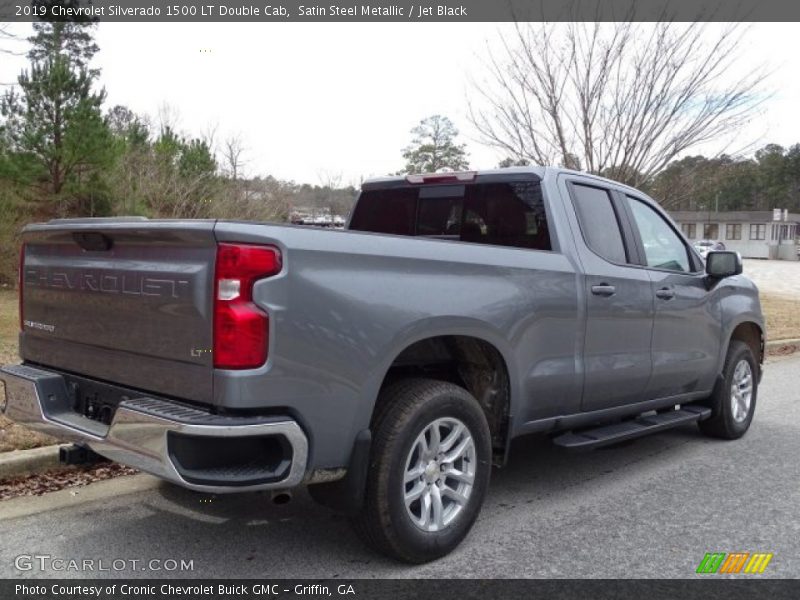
(138,314)
(347,303)
(739,304)
(617,364)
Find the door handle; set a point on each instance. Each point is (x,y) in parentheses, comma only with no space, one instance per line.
(665,294)
(603,290)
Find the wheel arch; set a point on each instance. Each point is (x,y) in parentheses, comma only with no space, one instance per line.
(751,333)
(473,361)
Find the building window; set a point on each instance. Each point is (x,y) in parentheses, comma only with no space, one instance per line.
(689,230)
(758,232)
(733,231)
(710,231)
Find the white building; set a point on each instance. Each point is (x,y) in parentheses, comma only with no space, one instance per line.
(754,234)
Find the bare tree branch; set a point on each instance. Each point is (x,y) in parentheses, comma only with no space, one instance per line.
(169,117)
(621,99)
(209,135)
(10,45)
(331,181)
(8,39)
(232,153)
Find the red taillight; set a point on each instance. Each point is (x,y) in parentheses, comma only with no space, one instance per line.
(241,329)
(21,281)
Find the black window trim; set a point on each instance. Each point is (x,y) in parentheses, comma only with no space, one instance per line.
(694,261)
(630,230)
(628,243)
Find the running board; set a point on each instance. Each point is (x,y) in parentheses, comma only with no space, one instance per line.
(634,428)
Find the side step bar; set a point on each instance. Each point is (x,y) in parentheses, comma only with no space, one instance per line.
(634,428)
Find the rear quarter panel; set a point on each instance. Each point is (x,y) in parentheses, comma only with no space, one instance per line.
(347,303)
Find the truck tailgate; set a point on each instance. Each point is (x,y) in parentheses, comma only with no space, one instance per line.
(127,301)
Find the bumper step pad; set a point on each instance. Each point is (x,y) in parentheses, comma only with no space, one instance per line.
(187,445)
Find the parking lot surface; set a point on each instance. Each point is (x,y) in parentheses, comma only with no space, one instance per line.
(774,276)
(652,508)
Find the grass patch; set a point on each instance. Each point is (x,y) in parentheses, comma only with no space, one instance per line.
(9,326)
(782,314)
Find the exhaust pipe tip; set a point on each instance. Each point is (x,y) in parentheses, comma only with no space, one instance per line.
(281,497)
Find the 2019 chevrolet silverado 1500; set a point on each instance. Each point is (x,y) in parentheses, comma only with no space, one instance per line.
(387,366)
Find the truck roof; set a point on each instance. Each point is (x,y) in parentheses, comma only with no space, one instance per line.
(535,170)
(488,176)
(538,171)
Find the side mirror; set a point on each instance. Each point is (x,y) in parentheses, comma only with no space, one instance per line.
(723,263)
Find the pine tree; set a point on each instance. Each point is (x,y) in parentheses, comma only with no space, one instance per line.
(54,122)
(434,148)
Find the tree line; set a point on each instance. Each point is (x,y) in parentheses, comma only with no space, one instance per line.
(64,154)
(624,100)
(769,179)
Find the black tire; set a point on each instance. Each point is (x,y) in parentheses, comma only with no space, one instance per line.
(406,409)
(722,423)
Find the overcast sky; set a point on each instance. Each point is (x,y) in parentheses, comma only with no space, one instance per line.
(311,99)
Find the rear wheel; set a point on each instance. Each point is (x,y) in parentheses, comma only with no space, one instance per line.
(733,401)
(429,470)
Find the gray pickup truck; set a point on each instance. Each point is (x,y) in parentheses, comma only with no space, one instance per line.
(388,366)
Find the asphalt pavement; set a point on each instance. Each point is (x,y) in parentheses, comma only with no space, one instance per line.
(651,508)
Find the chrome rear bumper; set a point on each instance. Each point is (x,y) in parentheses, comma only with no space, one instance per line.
(150,434)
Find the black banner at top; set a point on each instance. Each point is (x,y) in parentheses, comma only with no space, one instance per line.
(411,11)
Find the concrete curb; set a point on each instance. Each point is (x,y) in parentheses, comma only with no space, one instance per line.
(27,462)
(792,345)
(24,506)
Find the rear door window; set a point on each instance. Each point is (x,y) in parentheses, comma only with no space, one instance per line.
(598,222)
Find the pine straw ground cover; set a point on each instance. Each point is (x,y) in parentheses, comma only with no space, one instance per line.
(58,479)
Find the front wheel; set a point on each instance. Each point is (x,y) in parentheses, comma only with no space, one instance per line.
(429,470)
(733,401)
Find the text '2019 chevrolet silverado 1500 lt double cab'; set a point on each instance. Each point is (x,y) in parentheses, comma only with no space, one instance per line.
(390,365)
